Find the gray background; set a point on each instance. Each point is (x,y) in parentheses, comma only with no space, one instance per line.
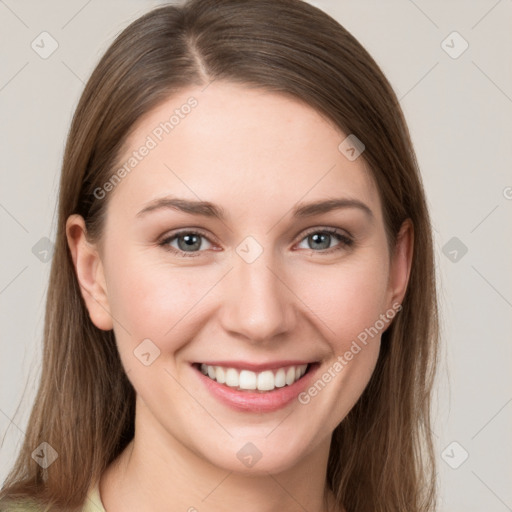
(459,110)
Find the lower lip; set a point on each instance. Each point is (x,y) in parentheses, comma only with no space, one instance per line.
(258,402)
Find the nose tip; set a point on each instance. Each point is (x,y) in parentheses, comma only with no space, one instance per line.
(256,303)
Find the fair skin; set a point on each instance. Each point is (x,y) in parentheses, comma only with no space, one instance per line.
(257,155)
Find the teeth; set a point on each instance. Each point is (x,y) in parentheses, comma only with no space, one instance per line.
(266,381)
(280,378)
(220,375)
(247,380)
(263,381)
(290,376)
(231,377)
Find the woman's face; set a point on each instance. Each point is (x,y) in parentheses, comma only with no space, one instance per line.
(243,275)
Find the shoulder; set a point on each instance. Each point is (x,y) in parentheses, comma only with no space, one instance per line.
(93,501)
(22,505)
(92,504)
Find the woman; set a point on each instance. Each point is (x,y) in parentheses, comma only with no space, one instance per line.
(242,307)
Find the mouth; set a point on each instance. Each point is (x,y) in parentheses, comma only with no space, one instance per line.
(242,379)
(256,388)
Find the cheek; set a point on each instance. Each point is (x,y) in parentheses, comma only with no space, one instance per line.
(347,298)
(150,299)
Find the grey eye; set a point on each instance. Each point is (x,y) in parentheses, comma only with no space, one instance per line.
(188,242)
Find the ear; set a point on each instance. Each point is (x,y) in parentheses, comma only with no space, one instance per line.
(401,261)
(89,272)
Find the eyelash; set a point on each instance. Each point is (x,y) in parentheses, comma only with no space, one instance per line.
(345,241)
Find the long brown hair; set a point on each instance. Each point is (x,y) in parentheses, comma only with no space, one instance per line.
(381,456)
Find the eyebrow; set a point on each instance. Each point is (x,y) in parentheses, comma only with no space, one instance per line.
(208,209)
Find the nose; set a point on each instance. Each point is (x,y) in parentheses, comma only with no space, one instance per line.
(256,302)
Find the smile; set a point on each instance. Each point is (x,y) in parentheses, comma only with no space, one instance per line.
(247,380)
(256,387)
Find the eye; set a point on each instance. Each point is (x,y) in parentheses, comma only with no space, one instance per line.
(188,243)
(321,239)
(192,243)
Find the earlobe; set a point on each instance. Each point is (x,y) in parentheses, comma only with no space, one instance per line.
(401,262)
(89,273)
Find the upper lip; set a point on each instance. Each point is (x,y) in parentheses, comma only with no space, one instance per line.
(256,367)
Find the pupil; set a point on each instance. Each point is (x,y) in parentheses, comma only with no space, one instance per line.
(322,239)
(190,242)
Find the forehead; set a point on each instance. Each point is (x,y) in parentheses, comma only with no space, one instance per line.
(240,147)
